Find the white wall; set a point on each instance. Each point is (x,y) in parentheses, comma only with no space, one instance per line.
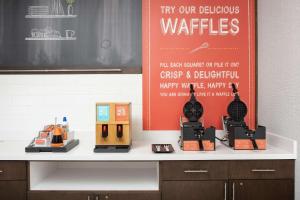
(279,69)
(27,102)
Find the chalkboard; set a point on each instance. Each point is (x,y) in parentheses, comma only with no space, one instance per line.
(70,36)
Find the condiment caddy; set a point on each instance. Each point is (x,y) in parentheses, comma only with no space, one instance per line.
(53,138)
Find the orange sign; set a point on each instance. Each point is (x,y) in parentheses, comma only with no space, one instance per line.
(208,43)
(122,113)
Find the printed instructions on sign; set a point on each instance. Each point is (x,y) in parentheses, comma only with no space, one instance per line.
(206,74)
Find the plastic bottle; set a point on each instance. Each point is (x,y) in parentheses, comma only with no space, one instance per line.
(65,126)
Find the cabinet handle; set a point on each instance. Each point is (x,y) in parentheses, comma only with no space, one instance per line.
(233,191)
(225,191)
(97,197)
(1,171)
(88,198)
(196,171)
(263,170)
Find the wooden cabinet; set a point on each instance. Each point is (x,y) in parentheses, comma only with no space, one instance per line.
(194,190)
(47,195)
(64,195)
(12,170)
(262,169)
(13,190)
(232,180)
(179,180)
(262,180)
(194,170)
(13,184)
(262,189)
(146,195)
(194,180)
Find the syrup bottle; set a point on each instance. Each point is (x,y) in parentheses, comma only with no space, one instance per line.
(57,138)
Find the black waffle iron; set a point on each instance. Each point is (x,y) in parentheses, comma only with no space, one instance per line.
(194,136)
(239,135)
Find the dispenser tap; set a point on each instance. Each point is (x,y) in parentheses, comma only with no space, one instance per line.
(104,130)
(119,130)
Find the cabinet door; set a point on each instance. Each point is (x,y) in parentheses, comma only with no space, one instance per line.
(12,170)
(262,189)
(193,170)
(142,195)
(64,195)
(47,195)
(13,190)
(194,190)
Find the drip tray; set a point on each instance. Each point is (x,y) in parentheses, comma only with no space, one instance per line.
(111,148)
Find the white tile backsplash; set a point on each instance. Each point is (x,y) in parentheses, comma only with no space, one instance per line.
(27,102)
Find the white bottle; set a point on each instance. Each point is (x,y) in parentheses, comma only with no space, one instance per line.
(65,123)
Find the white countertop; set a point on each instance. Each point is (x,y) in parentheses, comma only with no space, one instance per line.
(278,147)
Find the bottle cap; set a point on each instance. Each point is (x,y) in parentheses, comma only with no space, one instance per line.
(65,119)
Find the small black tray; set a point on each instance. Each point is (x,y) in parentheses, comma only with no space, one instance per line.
(162,148)
(70,145)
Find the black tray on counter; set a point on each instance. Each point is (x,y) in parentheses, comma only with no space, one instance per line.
(70,145)
(162,148)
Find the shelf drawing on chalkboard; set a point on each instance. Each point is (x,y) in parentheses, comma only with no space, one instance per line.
(50,39)
(70,6)
(38,10)
(50,34)
(49,16)
(56,10)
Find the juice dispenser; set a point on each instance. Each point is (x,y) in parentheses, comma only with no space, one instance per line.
(113,127)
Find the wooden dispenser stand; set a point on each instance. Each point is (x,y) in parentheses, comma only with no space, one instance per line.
(113,127)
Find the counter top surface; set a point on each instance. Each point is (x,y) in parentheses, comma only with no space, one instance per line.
(278,147)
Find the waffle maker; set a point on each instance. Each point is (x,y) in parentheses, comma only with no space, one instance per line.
(194,137)
(239,135)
